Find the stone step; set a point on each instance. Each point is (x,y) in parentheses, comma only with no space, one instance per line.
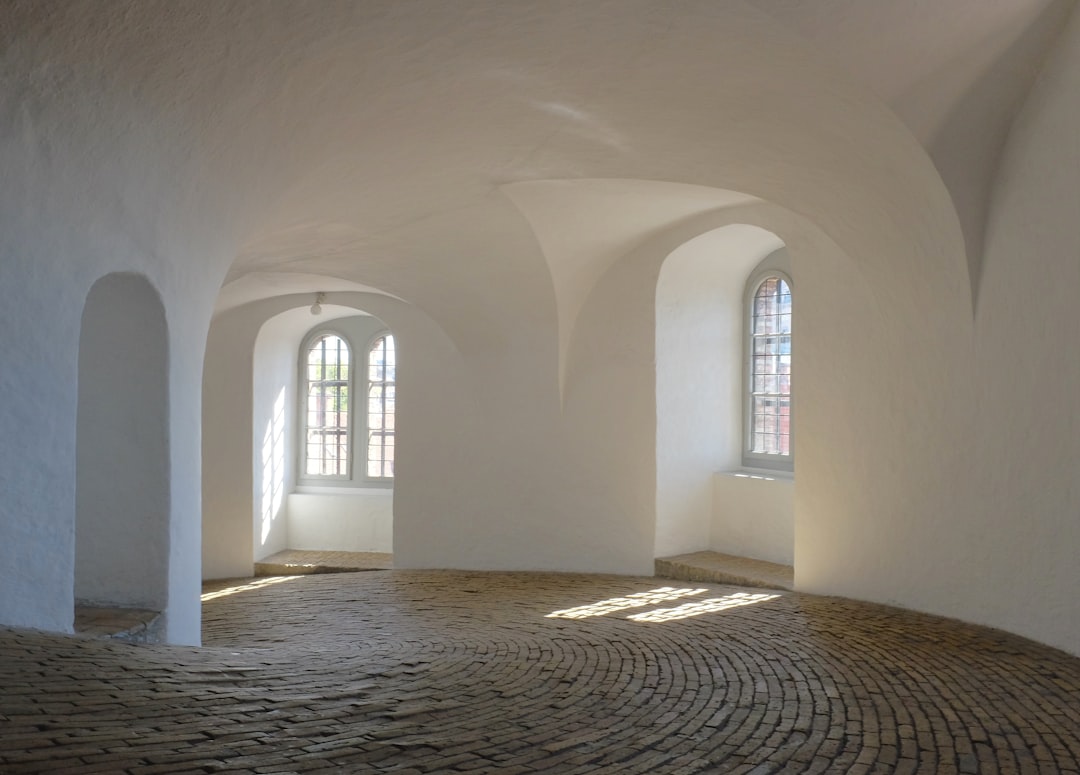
(131,625)
(725,569)
(302,562)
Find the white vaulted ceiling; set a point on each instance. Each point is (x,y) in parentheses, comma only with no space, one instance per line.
(376,142)
(422,113)
(955,72)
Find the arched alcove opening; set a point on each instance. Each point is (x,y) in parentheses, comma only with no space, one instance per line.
(705,499)
(122,453)
(323,404)
(259,496)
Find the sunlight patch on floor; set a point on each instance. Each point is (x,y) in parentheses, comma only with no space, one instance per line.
(699,607)
(635,600)
(246,587)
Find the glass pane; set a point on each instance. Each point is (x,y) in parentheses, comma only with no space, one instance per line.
(327,407)
(380,407)
(770,377)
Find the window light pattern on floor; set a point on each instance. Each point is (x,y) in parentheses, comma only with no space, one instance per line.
(255,584)
(636,600)
(699,607)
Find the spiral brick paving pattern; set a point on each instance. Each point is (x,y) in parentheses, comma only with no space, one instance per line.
(423,672)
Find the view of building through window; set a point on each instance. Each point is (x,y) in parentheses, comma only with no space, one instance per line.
(327,452)
(382,368)
(770,410)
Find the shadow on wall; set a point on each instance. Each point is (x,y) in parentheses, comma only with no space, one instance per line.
(273,466)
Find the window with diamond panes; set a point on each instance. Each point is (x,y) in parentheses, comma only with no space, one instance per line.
(770,367)
(327,409)
(382,367)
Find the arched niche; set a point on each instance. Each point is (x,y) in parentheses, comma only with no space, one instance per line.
(122,453)
(293,510)
(254,502)
(699,382)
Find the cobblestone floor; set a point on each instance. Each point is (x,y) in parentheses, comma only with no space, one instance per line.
(421,672)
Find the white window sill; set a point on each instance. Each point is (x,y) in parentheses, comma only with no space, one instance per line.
(309,489)
(761,474)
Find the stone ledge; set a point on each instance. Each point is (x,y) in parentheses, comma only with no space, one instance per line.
(725,569)
(131,625)
(302,562)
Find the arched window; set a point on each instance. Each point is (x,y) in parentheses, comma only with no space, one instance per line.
(382,371)
(768,421)
(327,407)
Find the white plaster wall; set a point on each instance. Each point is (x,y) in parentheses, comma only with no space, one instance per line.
(504,479)
(1024,507)
(876,460)
(753,515)
(141,141)
(357,521)
(699,370)
(90,187)
(228,481)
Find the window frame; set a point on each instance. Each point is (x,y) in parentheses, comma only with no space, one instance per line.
(305,385)
(368,382)
(751,459)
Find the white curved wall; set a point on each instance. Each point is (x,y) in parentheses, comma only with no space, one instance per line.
(141,141)
(228,481)
(88,192)
(273,404)
(1025,507)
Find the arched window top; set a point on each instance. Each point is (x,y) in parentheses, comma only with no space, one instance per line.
(772,306)
(769,404)
(382,358)
(327,406)
(326,352)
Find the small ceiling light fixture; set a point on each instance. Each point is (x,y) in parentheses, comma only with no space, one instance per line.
(316,308)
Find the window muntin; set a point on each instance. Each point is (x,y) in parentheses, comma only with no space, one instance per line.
(770,370)
(382,372)
(327,407)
